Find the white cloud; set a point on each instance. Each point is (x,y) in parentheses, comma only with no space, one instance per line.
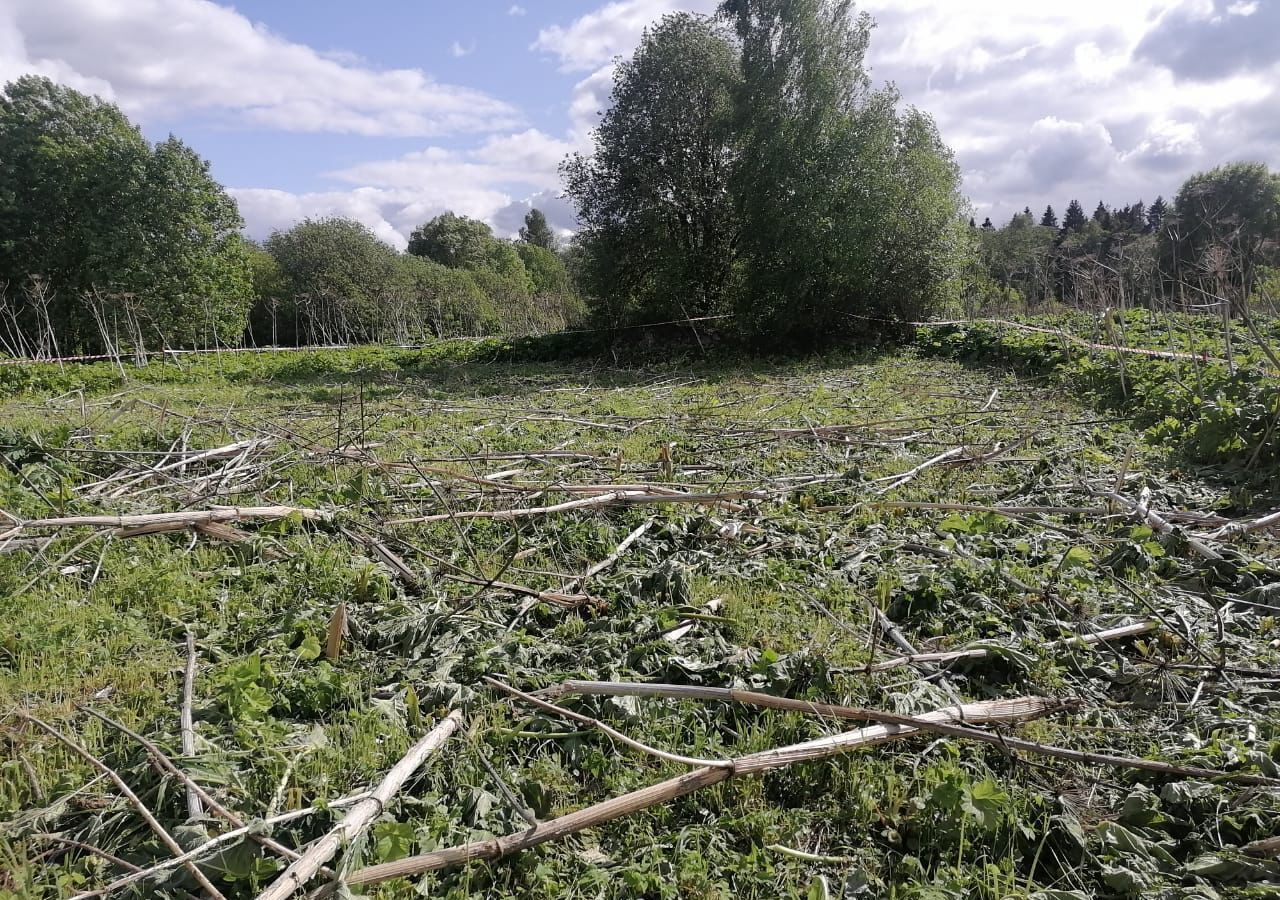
(156,57)
(529,158)
(393,213)
(1057,101)
(492,181)
(1042,103)
(596,38)
(457,50)
(590,99)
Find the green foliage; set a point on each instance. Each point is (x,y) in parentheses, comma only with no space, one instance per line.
(339,277)
(763,178)
(658,222)
(1020,258)
(1224,224)
(851,209)
(462,243)
(1075,219)
(1201,408)
(546,271)
(104,223)
(536,232)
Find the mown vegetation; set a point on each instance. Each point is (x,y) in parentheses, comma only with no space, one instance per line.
(336,552)
(1004,549)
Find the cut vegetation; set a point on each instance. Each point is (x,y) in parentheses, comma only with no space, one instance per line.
(465,626)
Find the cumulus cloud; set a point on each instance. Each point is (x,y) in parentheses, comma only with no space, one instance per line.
(1095,99)
(596,38)
(393,213)
(1091,100)
(156,57)
(498,181)
(529,158)
(1209,41)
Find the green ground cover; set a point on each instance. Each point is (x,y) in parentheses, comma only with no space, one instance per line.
(1219,409)
(1008,544)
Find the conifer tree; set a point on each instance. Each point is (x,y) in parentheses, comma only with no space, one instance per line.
(1074,220)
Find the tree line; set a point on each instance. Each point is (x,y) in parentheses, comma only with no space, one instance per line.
(329,281)
(747,180)
(109,243)
(1214,248)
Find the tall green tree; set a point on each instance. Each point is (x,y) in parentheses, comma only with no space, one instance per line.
(546,270)
(1050,218)
(537,232)
(337,272)
(460,242)
(659,229)
(849,210)
(1224,224)
(1156,214)
(102,218)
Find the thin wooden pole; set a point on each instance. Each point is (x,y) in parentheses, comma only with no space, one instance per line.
(362,814)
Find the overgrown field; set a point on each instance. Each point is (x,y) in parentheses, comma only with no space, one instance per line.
(899,533)
(1213,395)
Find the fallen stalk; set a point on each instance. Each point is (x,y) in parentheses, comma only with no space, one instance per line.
(1235,529)
(165,837)
(1141,509)
(769,701)
(671,789)
(244,830)
(611,498)
(606,729)
(179,519)
(195,793)
(1098,637)
(362,814)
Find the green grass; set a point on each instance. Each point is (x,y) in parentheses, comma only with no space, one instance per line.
(1208,414)
(92,619)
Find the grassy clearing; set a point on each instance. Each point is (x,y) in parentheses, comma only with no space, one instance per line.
(782,595)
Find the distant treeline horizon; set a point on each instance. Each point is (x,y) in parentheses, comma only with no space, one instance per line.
(746,172)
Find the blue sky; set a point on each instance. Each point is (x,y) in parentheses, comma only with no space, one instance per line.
(478,44)
(393,111)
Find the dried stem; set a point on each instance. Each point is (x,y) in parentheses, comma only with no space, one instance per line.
(663,792)
(362,815)
(133,799)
